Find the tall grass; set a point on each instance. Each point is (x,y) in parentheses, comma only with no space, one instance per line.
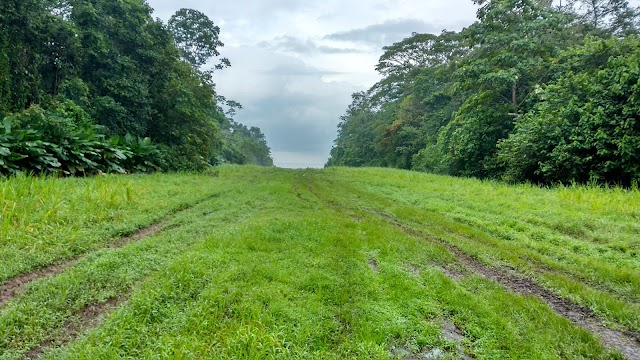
(45,219)
(269,270)
(301,264)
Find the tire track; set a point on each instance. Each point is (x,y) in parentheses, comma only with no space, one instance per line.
(626,342)
(88,317)
(92,315)
(16,285)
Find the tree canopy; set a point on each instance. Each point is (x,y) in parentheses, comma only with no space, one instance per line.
(129,73)
(529,92)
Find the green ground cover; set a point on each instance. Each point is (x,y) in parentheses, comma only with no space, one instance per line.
(270,263)
(46,220)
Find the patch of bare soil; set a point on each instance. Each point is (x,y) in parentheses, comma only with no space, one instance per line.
(15,285)
(452,272)
(138,235)
(413,270)
(373,264)
(452,333)
(628,343)
(87,318)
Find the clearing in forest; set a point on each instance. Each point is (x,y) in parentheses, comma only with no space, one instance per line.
(340,263)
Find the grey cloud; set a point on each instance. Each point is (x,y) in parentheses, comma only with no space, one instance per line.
(308,46)
(387,33)
(296,122)
(238,8)
(334,50)
(297,111)
(288,70)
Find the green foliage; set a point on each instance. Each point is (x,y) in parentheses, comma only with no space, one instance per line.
(512,96)
(243,145)
(62,140)
(122,67)
(585,127)
(498,77)
(604,17)
(481,121)
(196,36)
(142,155)
(5,82)
(357,135)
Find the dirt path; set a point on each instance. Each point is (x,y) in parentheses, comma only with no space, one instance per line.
(92,314)
(10,289)
(87,318)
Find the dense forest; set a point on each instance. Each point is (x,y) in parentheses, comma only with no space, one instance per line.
(90,86)
(532,91)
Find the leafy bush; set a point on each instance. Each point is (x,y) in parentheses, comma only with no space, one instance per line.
(63,140)
(142,154)
(586,126)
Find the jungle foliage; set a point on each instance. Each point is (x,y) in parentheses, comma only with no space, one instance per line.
(99,86)
(529,92)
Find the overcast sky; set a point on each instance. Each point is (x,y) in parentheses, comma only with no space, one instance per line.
(295,63)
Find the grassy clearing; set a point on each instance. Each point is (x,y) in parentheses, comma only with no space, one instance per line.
(583,242)
(45,220)
(298,264)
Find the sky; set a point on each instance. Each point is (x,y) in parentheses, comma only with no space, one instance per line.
(295,64)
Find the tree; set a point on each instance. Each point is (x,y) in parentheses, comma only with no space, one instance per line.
(355,144)
(586,125)
(514,44)
(243,145)
(122,67)
(504,98)
(606,16)
(197,37)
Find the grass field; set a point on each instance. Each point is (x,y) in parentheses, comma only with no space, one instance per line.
(340,263)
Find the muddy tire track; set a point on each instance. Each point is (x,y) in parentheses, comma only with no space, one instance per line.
(628,343)
(14,286)
(93,314)
(87,318)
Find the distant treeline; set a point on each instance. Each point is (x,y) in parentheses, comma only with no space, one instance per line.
(529,92)
(99,85)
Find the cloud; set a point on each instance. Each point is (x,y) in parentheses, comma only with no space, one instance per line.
(296,63)
(305,46)
(386,33)
(253,9)
(292,102)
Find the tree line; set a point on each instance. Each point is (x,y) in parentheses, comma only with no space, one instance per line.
(100,85)
(532,91)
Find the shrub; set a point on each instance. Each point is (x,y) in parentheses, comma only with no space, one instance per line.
(62,140)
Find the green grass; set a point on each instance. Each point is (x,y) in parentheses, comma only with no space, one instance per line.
(583,242)
(300,264)
(46,220)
